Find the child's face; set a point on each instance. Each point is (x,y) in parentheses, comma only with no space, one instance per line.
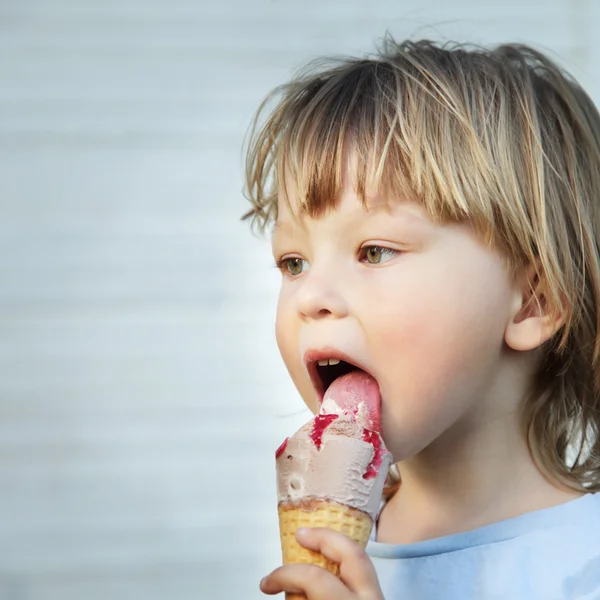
(426,315)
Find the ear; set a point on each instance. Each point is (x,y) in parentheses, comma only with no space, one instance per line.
(532,322)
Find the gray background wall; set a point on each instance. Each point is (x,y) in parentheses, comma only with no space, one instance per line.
(141,393)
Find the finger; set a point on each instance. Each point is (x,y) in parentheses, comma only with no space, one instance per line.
(314,582)
(356,569)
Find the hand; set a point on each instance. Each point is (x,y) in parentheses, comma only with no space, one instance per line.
(357,580)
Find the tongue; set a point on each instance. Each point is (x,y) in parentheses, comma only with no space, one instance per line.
(357,395)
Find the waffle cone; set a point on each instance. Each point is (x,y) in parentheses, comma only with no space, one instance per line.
(354,523)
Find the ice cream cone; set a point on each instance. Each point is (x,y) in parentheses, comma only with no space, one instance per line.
(354,523)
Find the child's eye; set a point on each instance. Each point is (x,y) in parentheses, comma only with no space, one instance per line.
(293,266)
(375,255)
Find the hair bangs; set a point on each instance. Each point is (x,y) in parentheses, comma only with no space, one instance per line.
(343,128)
(399,126)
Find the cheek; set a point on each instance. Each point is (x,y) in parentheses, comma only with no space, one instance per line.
(283,331)
(447,316)
(437,349)
(287,334)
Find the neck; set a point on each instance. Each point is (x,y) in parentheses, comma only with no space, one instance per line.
(467,479)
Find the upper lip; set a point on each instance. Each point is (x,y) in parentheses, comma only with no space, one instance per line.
(311,358)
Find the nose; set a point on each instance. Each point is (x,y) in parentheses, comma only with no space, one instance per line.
(321,296)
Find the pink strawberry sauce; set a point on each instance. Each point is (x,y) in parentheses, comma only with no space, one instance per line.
(321,423)
(281,448)
(375,440)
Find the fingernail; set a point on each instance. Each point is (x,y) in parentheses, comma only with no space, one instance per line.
(263,581)
(302,531)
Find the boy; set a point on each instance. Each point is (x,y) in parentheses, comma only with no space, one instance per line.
(436,218)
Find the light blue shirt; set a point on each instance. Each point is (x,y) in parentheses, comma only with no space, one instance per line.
(547,554)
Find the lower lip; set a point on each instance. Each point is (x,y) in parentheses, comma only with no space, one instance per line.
(320,395)
(314,382)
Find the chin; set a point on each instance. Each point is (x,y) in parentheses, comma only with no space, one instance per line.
(404,442)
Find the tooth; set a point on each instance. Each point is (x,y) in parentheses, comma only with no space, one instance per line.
(334,361)
(323,363)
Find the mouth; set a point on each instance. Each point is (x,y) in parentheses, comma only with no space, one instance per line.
(325,366)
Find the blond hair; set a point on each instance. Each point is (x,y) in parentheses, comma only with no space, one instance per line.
(502,138)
